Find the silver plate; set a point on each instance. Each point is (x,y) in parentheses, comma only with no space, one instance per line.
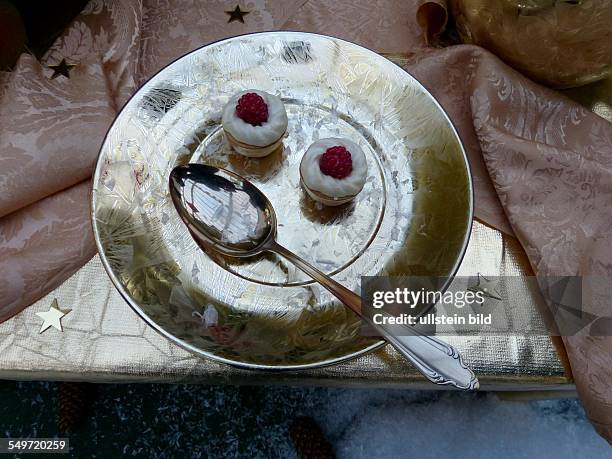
(413,216)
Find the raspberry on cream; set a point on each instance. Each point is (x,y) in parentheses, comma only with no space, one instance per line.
(252,109)
(336,162)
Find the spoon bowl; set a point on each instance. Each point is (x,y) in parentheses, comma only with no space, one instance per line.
(223,210)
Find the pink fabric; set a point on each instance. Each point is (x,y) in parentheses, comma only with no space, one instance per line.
(43,244)
(550,162)
(544,158)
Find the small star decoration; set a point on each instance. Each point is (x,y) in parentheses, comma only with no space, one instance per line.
(63,68)
(487,287)
(52,317)
(236,14)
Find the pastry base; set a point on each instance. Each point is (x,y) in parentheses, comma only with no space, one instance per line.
(323,198)
(252,151)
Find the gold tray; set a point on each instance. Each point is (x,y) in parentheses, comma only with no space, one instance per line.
(413,216)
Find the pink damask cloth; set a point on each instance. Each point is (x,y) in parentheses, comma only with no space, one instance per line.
(542,164)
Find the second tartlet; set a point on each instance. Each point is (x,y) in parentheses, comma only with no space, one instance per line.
(333,171)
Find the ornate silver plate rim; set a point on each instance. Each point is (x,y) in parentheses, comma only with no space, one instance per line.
(247,365)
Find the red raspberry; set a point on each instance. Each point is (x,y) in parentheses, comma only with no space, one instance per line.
(336,162)
(252,109)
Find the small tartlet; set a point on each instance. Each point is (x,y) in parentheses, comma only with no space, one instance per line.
(250,140)
(328,189)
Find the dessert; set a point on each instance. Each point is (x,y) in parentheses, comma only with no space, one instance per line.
(254,122)
(333,171)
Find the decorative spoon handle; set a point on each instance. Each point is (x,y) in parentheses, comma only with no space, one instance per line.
(437,361)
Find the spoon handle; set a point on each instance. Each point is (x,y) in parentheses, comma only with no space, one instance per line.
(436,360)
(348,297)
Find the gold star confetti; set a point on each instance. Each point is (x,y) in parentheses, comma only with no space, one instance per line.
(487,287)
(236,14)
(63,68)
(52,317)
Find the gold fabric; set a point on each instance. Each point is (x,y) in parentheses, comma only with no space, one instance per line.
(558,43)
(104,340)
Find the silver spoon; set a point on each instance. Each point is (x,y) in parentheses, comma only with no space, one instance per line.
(227,214)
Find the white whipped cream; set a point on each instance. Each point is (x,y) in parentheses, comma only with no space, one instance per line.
(259,136)
(331,186)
